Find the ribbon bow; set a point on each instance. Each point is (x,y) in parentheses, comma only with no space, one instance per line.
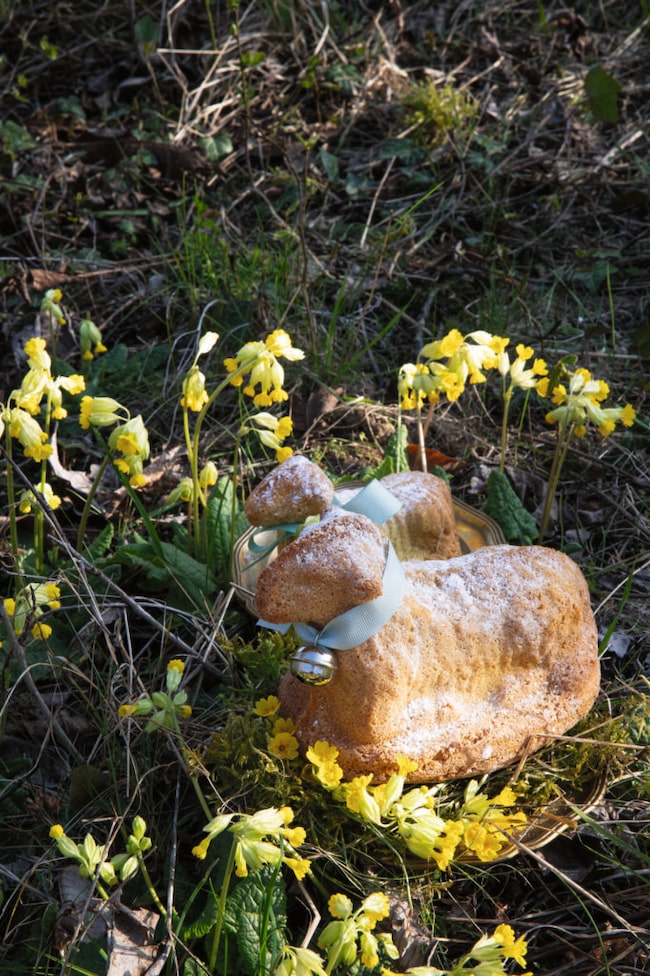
(360,623)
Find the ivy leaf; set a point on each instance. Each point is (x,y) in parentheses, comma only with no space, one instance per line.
(505,507)
(256,912)
(602,91)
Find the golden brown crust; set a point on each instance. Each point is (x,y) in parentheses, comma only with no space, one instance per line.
(331,567)
(489,655)
(292,492)
(425,526)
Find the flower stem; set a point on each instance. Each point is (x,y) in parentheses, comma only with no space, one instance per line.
(83,521)
(422,454)
(507,397)
(11,499)
(150,887)
(564,434)
(216,932)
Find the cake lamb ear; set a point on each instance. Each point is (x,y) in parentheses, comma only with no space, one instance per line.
(292,492)
(331,567)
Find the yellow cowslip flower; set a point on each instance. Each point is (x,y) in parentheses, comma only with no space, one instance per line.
(340,906)
(132,440)
(10,606)
(298,961)
(409,397)
(50,305)
(271,432)
(56,831)
(183,492)
(37,355)
(90,340)
(329,775)
(466,359)
(73,384)
(32,389)
(127,710)
(581,403)
(278,343)
(41,631)
(519,376)
(259,360)
(283,745)
(360,800)
(28,498)
(322,752)
(195,395)
(295,836)
(350,933)
(174,675)
(511,948)
(376,906)
(27,431)
(388,793)
(208,475)
(100,412)
(266,706)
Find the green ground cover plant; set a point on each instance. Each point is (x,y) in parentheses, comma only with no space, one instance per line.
(380,235)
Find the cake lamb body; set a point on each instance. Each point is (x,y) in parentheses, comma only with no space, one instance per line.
(488,656)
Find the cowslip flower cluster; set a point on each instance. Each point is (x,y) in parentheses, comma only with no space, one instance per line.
(264,837)
(488,957)
(581,402)
(446,365)
(40,395)
(272,431)
(165,708)
(129,441)
(91,857)
(299,961)
(281,741)
(30,604)
(479,826)
(258,362)
(350,935)
(90,340)
(195,395)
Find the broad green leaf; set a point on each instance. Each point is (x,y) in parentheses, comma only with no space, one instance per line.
(602,90)
(256,913)
(216,147)
(505,507)
(205,922)
(99,547)
(147,35)
(330,165)
(218,526)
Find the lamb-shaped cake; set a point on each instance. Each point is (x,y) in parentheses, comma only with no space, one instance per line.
(486,656)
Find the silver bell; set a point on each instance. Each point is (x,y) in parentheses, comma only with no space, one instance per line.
(313,665)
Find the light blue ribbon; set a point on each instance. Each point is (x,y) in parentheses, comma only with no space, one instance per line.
(359,624)
(373,500)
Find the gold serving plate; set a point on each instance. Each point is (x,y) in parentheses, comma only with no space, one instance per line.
(475,530)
